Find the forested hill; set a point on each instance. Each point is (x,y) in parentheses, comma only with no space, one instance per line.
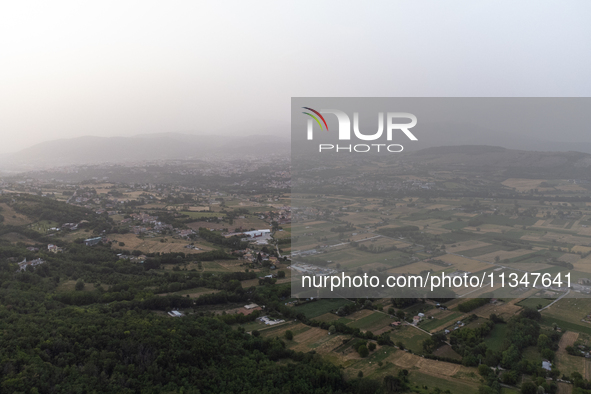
(175,146)
(106,350)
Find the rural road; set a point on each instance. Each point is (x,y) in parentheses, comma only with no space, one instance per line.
(555,301)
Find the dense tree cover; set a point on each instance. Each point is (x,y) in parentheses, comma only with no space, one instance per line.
(154,261)
(233,242)
(101,350)
(581,385)
(108,279)
(347,309)
(539,385)
(175,219)
(24,231)
(522,331)
(472,304)
(106,334)
(468,342)
(111,340)
(403,302)
(40,208)
(434,342)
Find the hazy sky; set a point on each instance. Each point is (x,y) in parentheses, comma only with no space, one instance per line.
(120,68)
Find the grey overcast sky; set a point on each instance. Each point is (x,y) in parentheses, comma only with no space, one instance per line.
(121,68)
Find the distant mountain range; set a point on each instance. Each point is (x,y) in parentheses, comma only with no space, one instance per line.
(163,146)
(499,157)
(178,146)
(488,160)
(455,134)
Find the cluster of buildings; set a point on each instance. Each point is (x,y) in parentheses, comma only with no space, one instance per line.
(135,259)
(89,199)
(33,263)
(459,324)
(270,321)
(151,224)
(175,314)
(584,351)
(260,237)
(252,256)
(50,248)
(54,248)
(70,226)
(418,318)
(94,241)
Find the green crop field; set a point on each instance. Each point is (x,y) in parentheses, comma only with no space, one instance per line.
(496,337)
(454,225)
(565,325)
(207,214)
(435,322)
(483,250)
(351,258)
(418,380)
(532,354)
(411,337)
(372,322)
(320,307)
(534,303)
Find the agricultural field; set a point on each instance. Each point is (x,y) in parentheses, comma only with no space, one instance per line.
(503,309)
(350,258)
(535,303)
(565,362)
(316,339)
(216,266)
(571,310)
(13,218)
(194,214)
(154,245)
(496,338)
(210,225)
(316,308)
(583,265)
(338,350)
(464,263)
(377,322)
(16,237)
(416,267)
(192,293)
(527,184)
(447,352)
(410,336)
(440,321)
(504,254)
